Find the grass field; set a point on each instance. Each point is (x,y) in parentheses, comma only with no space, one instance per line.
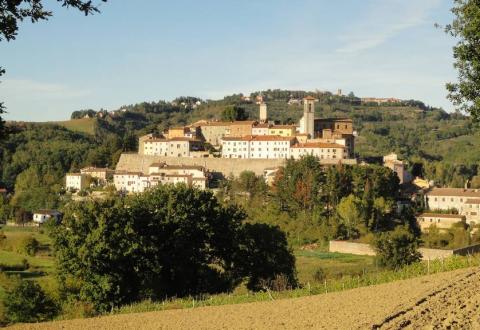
(83,125)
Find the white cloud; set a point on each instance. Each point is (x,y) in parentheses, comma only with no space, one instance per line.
(384,20)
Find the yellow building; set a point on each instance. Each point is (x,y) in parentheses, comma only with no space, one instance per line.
(282,130)
(177,132)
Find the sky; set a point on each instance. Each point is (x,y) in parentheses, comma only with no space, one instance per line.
(150,50)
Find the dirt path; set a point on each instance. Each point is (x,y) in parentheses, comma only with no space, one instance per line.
(448,300)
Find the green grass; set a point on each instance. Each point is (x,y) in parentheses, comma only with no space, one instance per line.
(83,125)
(333,265)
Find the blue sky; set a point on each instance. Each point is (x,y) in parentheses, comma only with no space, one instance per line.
(149,50)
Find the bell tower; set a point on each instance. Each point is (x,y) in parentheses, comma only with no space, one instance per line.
(263,112)
(309,116)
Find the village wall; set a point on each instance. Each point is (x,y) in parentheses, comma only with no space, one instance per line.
(134,162)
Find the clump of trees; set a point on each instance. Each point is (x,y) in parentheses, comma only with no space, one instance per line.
(170,241)
(397,248)
(27,302)
(234,112)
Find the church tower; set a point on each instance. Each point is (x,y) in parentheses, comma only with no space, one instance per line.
(309,116)
(263,112)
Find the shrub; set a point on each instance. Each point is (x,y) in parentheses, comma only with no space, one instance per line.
(29,246)
(319,275)
(27,302)
(397,248)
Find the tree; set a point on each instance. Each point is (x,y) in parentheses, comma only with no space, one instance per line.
(466,28)
(234,112)
(265,255)
(349,216)
(169,241)
(397,248)
(27,302)
(29,246)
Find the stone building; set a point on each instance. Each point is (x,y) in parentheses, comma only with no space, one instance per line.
(441,221)
(241,128)
(320,150)
(176,147)
(213,132)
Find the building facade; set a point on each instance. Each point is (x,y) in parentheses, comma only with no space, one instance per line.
(76,181)
(257,147)
(213,132)
(320,150)
(465,201)
(440,221)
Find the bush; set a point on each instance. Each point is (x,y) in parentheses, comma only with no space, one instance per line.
(27,302)
(397,248)
(319,275)
(29,246)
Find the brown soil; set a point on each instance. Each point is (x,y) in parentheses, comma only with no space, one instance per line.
(443,301)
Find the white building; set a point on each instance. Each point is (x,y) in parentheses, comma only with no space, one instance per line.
(440,221)
(260,129)
(41,216)
(160,173)
(76,181)
(175,147)
(255,147)
(320,150)
(465,201)
(102,174)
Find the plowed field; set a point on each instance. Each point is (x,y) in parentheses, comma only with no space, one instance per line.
(442,301)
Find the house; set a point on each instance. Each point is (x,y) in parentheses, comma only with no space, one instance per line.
(392,162)
(241,128)
(441,221)
(260,129)
(320,150)
(42,216)
(76,181)
(282,130)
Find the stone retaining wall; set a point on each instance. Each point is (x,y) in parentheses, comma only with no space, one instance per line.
(140,163)
(427,254)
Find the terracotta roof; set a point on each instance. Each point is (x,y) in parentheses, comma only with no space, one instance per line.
(95,169)
(244,122)
(460,192)
(262,126)
(259,138)
(334,119)
(187,139)
(318,145)
(128,173)
(309,98)
(216,123)
(283,127)
(441,215)
(473,201)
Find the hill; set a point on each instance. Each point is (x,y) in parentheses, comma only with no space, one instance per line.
(445,300)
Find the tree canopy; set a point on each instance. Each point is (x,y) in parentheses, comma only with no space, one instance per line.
(170,241)
(466,28)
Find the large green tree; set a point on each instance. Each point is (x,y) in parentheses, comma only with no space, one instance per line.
(169,241)
(465,93)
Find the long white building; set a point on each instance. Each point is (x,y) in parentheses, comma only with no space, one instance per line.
(175,147)
(160,173)
(320,150)
(257,146)
(465,201)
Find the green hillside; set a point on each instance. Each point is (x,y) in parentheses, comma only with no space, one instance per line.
(82,125)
